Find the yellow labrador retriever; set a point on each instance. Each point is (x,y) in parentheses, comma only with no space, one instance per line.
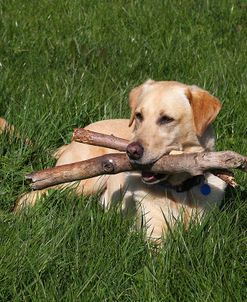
(5,126)
(166,117)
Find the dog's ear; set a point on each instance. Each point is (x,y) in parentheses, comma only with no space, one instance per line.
(205,108)
(134,96)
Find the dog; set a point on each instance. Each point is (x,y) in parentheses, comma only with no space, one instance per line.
(5,126)
(167,117)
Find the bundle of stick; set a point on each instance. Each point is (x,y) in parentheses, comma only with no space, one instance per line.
(195,164)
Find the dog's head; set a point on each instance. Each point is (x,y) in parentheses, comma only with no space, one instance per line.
(168,116)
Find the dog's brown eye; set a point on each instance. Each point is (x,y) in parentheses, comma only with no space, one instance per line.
(165,120)
(139,116)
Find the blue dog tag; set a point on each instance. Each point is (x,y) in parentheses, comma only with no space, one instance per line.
(205,189)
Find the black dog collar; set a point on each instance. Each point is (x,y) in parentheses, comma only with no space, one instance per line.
(186,185)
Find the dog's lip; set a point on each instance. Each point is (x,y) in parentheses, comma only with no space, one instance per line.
(152,178)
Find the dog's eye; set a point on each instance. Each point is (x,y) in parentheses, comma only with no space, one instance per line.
(165,120)
(139,116)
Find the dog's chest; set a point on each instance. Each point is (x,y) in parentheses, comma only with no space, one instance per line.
(205,195)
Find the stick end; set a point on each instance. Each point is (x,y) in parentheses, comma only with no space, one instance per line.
(29,177)
(74,134)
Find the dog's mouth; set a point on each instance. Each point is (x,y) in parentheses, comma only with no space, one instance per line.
(153,178)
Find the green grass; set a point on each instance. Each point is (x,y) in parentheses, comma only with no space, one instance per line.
(64,64)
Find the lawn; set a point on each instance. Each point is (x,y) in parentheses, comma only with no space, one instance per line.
(64,64)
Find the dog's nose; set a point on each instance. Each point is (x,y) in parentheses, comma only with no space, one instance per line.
(135,150)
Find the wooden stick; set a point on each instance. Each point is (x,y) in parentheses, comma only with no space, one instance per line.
(85,136)
(227,176)
(109,141)
(194,164)
(107,164)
